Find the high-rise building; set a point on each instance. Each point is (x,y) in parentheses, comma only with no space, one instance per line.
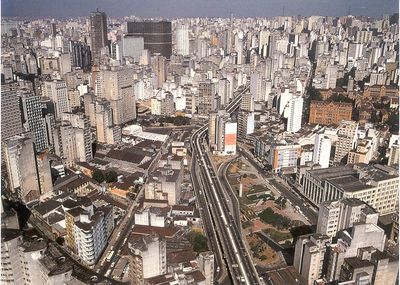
(44,173)
(294,114)
(329,113)
(206,265)
(347,137)
(57,91)
(283,157)
(222,133)
(182,40)
(87,228)
(245,124)
(98,34)
(159,67)
(337,215)
(157,36)
(72,139)
(11,119)
(106,131)
(20,159)
(310,256)
(81,55)
(34,121)
(132,46)
(247,103)
(322,150)
(30,260)
(148,258)
(209,101)
(331,76)
(116,85)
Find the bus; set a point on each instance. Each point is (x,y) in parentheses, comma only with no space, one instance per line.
(109,256)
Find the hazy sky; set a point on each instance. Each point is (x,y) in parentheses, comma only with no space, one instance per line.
(196,8)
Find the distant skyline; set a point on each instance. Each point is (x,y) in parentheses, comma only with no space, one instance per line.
(62,9)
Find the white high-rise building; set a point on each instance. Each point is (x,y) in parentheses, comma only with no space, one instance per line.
(331,76)
(294,114)
(182,40)
(148,258)
(322,150)
(57,91)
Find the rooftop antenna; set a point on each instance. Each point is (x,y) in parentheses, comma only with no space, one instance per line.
(283,11)
(349,11)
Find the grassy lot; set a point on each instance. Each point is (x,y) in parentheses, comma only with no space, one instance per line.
(277,235)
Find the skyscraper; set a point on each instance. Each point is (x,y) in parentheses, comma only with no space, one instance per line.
(116,85)
(159,67)
(19,156)
(294,114)
(98,33)
(182,40)
(157,36)
(57,91)
(347,136)
(34,121)
(322,150)
(209,101)
(11,119)
(222,133)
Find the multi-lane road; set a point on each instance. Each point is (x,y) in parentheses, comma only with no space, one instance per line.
(212,200)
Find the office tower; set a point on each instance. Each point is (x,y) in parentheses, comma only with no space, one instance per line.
(322,150)
(53,29)
(310,256)
(87,229)
(209,101)
(331,76)
(81,55)
(263,42)
(222,133)
(116,85)
(50,123)
(294,114)
(245,124)
(347,136)
(206,265)
(168,105)
(34,121)
(132,46)
(148,258)
(72,139)
(329,113)
(98,34)
(159,67)
(338,215)
(283,99)
(224,90)
(11,120)
(106,131)
(182,40)
(157,36)
(57,91)
(247,103)
(20,159)
(255,87)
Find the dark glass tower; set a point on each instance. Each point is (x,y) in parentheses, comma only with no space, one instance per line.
(157,36)
(98,34)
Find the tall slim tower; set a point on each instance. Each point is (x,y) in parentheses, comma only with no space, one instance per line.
(98,33)
(182,40)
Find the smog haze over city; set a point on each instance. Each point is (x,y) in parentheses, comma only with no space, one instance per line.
(200,142)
